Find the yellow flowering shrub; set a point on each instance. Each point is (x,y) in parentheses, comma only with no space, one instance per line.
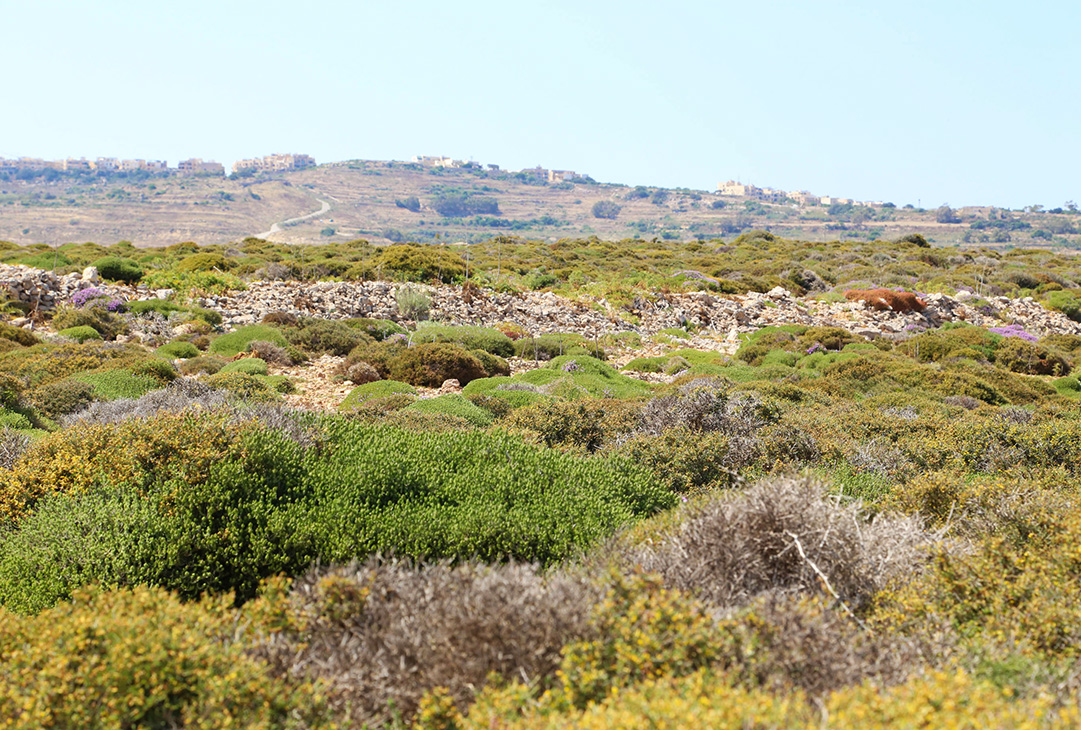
(141,658)
(181,447)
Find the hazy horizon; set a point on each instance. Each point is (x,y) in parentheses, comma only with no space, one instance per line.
(928,104)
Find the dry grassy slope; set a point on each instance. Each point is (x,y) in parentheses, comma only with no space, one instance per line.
(167,210)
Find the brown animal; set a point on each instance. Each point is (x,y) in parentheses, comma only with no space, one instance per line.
(883,299)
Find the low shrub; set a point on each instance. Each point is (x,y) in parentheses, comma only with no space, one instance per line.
(547,347)
(202,262)
(382,634)
(203,364)
(141,658)
(1019,356)
(163,307)
(234,343)
(374,391)
(178,349)
(115,268)
(377,329)
(784,535)
(115,384)
(26,338)
(61,397)
(244,385)
(80,333)
(326,336)
(469,337)
(270,353)
(580,425)
(247,365)
(432,363)
(454,404)
(106,323)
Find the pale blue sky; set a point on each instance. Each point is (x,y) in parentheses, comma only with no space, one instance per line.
(937,102)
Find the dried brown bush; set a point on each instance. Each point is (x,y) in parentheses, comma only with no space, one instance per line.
(882,299)
(784,535)
(269,352)
(383,633)
(802,642)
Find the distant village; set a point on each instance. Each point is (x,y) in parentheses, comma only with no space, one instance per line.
(540,174)
(194,166)
(772,195)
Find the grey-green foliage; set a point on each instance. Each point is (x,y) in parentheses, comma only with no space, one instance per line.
(339,491)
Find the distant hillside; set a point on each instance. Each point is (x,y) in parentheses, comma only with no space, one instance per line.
(391,201)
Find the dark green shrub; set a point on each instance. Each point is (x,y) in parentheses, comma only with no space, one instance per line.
(469,337)
(378,329)
(81,333)
(1020,356)
(361,394)
(248,387)
(546,347)
(454,404)
(160,306)
(23,337)
(234,343)
(493,364)
(209,316)
(432,363)
(207,364)
(179,349)
(283,318)
(115,268)
(248,365)
(326,335)
(107,324)
(581,425)
(202,262)
(1066,302)
(61,397)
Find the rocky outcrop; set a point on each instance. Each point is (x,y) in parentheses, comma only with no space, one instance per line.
(714,316)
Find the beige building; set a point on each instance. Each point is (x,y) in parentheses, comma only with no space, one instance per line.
(197,166)
(275,163)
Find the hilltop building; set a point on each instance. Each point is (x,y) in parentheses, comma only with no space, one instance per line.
(275,163)
(197,166)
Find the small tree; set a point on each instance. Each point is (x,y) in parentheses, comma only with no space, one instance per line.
(412,203)
(606,209)
(946,214)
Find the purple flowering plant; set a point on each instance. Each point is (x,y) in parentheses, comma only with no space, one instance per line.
(94,297)
(571,366)
(816,347)
(1014,330)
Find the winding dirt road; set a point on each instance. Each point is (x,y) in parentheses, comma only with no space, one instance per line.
(276,228)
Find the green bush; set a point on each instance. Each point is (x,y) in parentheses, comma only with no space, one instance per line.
(1066,302)
(327,335)
(107,324)
(179,349)
(469,337)
(1030,358)
(61,397)
(160,306)
(156,368)
(432,363)
(248,387)
(80,333)
(115,268)
(415,262)
(374,391)
(234,343)
(493,364)
(208,364)
(247,365)
(18,335)
(202,262)
(270,505)
(378,329)
(454,404)
(115,384)
(556,344)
